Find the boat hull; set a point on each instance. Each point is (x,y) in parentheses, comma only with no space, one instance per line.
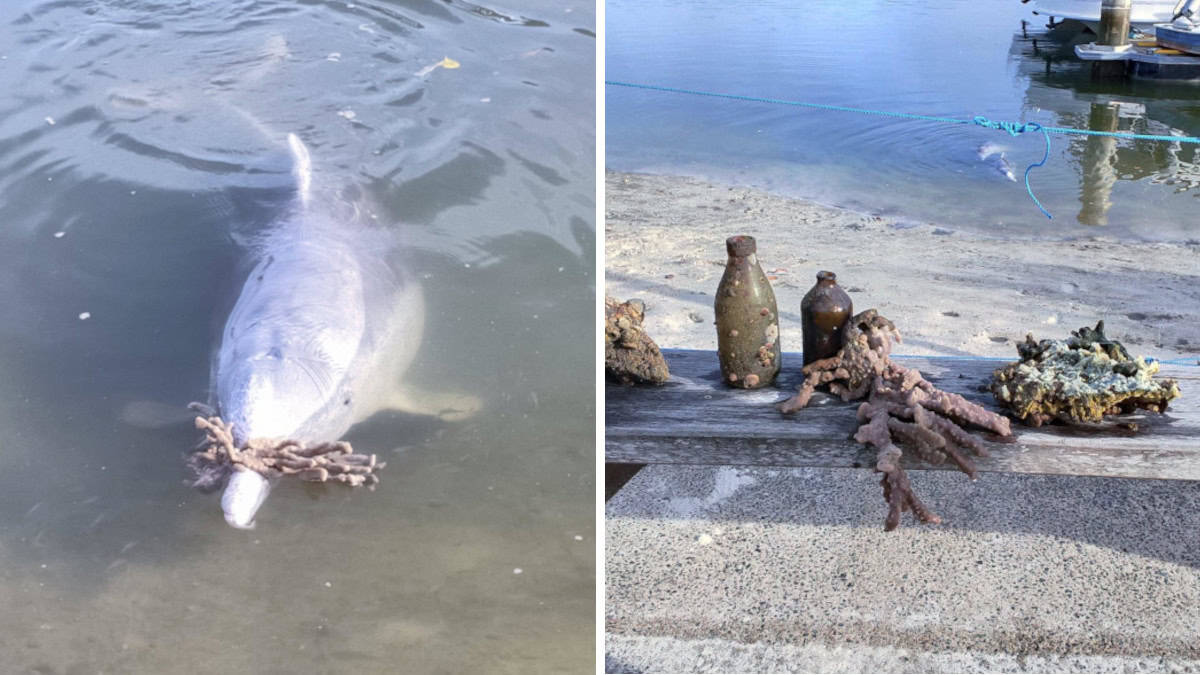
(1184,40)
(1142,15)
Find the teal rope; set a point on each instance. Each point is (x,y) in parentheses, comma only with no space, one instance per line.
(1012,128)
(929,118)
(1015,129)
(1184,361)
(757,99)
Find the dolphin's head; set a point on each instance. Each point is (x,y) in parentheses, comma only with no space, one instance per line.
(271,394)
(273,387)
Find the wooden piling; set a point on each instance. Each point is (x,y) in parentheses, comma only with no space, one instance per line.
(1114,32)
(1114,22)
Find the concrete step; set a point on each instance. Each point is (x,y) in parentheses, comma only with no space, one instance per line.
(728,569)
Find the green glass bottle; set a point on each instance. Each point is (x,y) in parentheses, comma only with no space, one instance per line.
(747,319)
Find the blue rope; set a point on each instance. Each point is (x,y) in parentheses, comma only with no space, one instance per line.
(1185,361)
(757,99)
(1013,128)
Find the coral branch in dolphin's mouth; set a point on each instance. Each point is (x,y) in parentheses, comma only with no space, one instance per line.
(318,462)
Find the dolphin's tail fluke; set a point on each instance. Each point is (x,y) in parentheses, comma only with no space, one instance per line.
(301,166)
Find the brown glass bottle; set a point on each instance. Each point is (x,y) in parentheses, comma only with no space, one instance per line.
(747,319)
(824,313)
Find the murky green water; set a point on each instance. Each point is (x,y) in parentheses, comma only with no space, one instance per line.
(932,57)
(140,143)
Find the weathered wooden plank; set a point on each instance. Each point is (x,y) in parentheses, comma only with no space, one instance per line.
(695,419)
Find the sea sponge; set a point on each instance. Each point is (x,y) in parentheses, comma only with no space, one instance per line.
(901,404)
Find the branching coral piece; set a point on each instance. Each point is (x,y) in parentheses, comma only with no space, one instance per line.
(901,404)
(630,355)
(1080,379)
(320,462)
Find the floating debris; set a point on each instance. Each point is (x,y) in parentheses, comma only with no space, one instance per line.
(447,63)
(84,316)
(1079,380)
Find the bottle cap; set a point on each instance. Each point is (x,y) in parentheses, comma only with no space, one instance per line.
(741,246)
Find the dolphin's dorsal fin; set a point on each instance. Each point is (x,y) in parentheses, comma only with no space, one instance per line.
(301,167)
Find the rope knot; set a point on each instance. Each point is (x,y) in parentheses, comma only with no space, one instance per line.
(1013,128)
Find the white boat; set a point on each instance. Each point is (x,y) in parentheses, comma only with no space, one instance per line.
(1143,14)
(1183,33)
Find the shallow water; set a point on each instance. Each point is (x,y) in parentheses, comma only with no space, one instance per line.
(931,57)
(141,144)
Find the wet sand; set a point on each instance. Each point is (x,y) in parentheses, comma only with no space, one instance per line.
(950,292)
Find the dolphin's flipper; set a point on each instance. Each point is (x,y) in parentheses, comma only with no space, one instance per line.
(445,406)
(154,414)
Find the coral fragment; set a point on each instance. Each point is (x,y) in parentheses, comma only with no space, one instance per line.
(901,404)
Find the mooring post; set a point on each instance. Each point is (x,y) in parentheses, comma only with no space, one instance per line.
(1114,22)
(1114,33)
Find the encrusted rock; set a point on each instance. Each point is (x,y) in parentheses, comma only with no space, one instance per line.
(1080,379)
(630,356)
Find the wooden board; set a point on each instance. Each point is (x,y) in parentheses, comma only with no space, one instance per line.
(695,419)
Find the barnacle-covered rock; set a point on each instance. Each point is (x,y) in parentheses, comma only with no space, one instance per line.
(630,356)
(1080,379)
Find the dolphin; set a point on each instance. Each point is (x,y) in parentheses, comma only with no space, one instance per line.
(324,325)
(989,148)
(1000,163)
(1004,167)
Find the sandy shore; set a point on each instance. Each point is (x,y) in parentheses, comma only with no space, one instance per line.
(951,292)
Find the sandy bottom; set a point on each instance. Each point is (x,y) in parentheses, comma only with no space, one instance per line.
(949,291)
